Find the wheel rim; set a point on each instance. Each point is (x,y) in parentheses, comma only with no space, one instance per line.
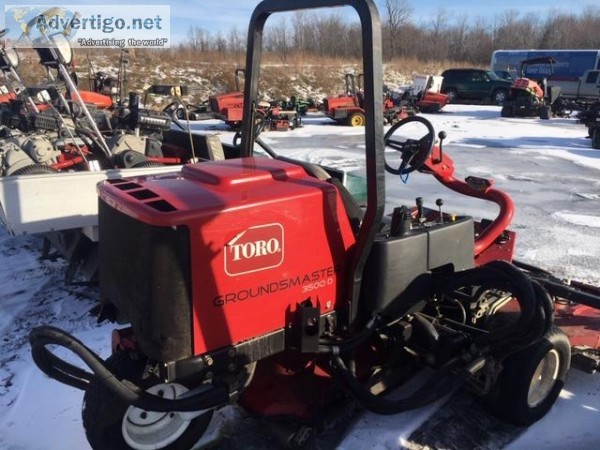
(357,120)
(500,97)
(148,430)
(544,378)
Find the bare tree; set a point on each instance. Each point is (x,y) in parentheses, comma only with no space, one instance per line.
(398,15)
(442,37)
(197,39)
(236,41)
(438,46)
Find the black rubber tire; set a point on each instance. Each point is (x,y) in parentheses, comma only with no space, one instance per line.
(452,95)
(595,138)
(499,96)
(506,111)
(103,412)
(545,112)
(35,169)
(147,164)
(509,398)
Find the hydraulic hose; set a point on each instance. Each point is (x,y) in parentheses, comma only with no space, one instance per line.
(503,276)
(74,376)
(440,384)
(536,315)
(353,342)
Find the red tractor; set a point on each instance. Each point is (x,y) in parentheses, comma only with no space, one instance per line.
(229,106)
(349,109)
(261,282)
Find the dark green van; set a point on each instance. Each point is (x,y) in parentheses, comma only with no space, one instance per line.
(475,84)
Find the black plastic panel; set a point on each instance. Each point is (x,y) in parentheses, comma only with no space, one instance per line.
(396,261)
(145,273)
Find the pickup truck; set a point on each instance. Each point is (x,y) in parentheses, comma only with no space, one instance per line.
(586,89)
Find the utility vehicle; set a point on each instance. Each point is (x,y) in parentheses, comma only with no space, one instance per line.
(260,281)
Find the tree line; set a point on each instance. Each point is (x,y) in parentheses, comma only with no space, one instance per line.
(443,36)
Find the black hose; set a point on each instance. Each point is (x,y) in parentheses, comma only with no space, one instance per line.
(440,384)
(74,376)
(543,314)
(503,276)
(352,342)
(536,315)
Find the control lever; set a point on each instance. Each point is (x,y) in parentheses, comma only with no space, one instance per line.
(400,221)
(442,135)
(439,202)
(419,202)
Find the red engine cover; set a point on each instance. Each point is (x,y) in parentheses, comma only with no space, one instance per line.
(100,101)
(334,103)
(229,106)
(265,236)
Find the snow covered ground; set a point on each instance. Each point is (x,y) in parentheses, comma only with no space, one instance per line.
(548,167)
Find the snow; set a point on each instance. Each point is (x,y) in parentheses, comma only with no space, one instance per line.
(548,167)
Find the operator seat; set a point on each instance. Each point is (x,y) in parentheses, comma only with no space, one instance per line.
(353,210)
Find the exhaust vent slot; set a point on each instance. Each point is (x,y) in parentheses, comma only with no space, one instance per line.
(127,186)
(144,194)
(162,205)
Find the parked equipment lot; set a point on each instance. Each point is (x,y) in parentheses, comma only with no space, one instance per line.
(547,167)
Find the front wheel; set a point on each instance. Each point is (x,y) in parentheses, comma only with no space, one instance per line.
(545,112)
(103,414)
(507,111)
(532,379)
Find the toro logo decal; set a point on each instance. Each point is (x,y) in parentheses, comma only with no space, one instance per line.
(257,248)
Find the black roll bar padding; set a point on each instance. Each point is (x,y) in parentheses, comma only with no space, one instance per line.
(373,89)
(134,395)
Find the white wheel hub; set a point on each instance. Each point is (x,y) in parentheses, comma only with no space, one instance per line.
(149,430)
(544,378)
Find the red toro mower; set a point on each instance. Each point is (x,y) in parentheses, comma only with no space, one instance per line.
(261,282)
(349,109)
(346,109)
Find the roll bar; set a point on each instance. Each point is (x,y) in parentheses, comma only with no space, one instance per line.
(373,84)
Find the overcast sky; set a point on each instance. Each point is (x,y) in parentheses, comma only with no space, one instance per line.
(223,15)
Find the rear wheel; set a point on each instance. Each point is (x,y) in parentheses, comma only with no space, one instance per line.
(357,120)
(532,379)
(452,95)
(499,96)
(103,414)
(595,134)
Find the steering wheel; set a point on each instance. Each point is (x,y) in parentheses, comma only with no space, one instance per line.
(414,143)
(259,126)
